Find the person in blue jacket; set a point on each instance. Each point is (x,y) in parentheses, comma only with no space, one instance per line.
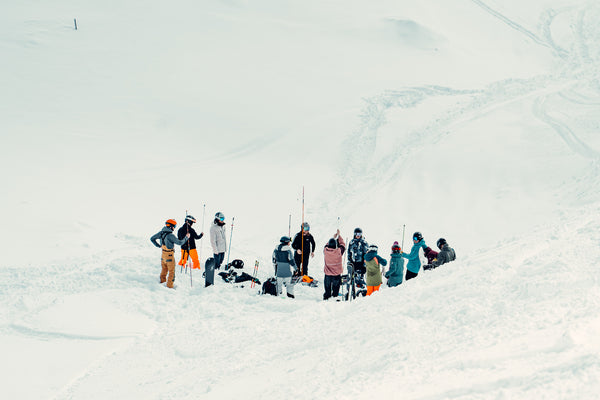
(395,274)
(414,262)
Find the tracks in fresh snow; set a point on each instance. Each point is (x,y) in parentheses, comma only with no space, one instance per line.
(578,71)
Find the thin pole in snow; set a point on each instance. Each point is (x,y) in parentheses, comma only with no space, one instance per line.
(75,22)
(403,227)
(230,238)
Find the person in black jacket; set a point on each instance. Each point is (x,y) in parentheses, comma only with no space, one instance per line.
(445,255)
(189,249)
(305,245)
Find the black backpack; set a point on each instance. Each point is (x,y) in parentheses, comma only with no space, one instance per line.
(270,287)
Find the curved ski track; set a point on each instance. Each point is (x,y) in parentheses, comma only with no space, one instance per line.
(579,71)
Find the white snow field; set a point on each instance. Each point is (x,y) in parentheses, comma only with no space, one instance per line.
(477,121)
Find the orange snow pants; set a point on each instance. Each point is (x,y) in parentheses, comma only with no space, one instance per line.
(371,289)
(167,261)
(193,254)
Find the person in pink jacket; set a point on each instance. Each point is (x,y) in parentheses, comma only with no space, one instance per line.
(334,265)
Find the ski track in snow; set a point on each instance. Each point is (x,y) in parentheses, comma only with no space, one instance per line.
(493,304)
(580,64)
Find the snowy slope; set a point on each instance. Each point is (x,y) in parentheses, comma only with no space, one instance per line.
(476,121)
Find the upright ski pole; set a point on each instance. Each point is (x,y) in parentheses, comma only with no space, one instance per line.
(230,237)
(403,227)
(200,252)
(301,266)
(188,258)
(290,226)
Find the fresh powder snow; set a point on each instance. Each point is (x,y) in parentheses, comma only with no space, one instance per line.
(473,120)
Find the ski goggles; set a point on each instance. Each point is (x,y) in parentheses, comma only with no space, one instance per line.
(306,229)
(358,234)
(221,219)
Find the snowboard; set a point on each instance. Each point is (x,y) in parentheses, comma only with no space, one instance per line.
(209,269)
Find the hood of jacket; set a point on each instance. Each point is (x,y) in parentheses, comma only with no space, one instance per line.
(370,255)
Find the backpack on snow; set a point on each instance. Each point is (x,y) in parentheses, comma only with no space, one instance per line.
(270,287)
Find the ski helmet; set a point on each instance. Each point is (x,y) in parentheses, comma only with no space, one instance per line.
(220,216)
(332,243)
(358,232)
(190,219)
(171,223)
(417,236)
(396,246)
(373,248)
(305,226)
(285,239)
(441,242)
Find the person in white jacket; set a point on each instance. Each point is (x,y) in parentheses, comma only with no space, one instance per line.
(218,240)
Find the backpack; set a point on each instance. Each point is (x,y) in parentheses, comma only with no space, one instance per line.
(270,287)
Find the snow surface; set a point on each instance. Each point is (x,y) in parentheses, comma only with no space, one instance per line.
(473,120)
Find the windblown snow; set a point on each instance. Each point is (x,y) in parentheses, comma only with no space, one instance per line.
(473,120)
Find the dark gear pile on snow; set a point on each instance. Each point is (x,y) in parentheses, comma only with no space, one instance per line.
(232,276)
(270,287)
(238,264)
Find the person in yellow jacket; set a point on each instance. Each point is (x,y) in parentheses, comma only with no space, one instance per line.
(167,243)
(373,263)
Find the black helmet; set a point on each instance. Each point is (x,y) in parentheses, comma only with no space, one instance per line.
(332,243)
(285,239)
(190,219)
(441,242)
(358,231)
(417,236)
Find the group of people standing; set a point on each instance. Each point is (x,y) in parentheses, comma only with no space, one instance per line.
(186,238)
(291,257)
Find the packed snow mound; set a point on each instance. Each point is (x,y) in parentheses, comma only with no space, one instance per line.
(412,33)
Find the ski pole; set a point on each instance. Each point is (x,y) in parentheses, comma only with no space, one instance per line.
(301,266)
(200,252)
(403,227)
(230,238)
(188,257)
(290,226)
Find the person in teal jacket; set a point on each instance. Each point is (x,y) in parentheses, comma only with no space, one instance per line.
(395,275)
(414,262)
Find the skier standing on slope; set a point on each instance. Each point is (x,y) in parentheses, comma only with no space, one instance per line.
(357,248)
(283,262)
(167,244)
(218,241)
(373,263)
(395,274)
(334,265)
(303,251)
(188,249)
(414,262)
